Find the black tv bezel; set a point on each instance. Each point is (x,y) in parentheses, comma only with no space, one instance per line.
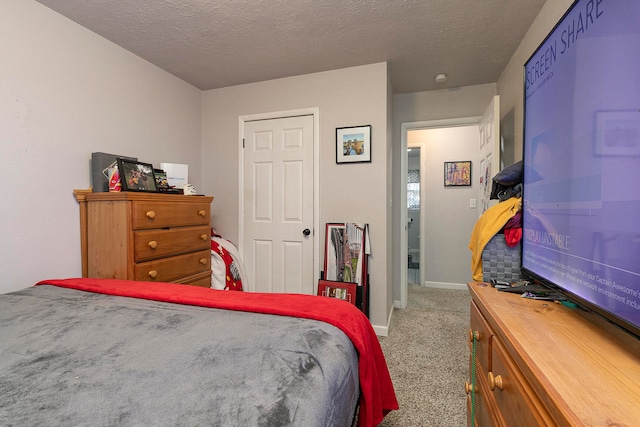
(533,277)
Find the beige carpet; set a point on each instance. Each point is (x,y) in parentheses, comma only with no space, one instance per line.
(428,358)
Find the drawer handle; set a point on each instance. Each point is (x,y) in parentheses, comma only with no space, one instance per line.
(468,387)
(203,236)
(153,244)
(151,214)
(202,212)
(474,335)
(495,381)
(153,274)
(203,261)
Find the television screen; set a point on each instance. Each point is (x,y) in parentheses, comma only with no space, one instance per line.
(581,195)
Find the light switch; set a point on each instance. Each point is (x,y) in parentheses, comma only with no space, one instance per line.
(472,203)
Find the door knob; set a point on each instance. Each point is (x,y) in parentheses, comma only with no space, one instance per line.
(306,231)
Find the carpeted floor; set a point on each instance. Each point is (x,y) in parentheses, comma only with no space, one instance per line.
(428,358)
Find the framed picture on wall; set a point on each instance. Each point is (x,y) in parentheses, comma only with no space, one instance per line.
(488,182)
(353,144)
(457,174)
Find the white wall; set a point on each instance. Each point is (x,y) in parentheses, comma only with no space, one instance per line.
(348,97)
(66,92)
(510,83)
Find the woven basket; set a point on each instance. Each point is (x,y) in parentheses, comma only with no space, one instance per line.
(500,261)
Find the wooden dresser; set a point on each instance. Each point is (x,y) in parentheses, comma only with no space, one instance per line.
(539,363)
(146,236)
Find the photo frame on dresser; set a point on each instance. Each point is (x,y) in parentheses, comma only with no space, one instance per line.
(162,183)
(137,176)
(102,167)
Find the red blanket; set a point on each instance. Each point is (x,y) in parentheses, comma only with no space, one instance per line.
(377,394)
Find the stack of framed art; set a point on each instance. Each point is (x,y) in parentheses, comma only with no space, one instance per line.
(345,273)
(112,172)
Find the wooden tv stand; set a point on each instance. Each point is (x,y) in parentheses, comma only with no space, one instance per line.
(539,363)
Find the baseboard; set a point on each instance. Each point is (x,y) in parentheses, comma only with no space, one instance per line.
(383,331)
(445,285)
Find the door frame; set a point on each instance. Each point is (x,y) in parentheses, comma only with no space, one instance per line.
(404,217)
(315,112)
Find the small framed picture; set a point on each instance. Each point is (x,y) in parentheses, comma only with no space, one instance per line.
(457,174)
(137,176)
(338,290)
(161,179)
(353,144)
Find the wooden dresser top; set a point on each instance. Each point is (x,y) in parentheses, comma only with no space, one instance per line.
(139,196)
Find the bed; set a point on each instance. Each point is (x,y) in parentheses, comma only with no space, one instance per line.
(113,352)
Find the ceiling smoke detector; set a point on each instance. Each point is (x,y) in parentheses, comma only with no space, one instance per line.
(441,78)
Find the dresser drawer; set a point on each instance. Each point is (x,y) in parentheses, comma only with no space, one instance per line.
(484,334)
(152,214)
(484,410)
(477,404)
(202,280)
(159,243)
(515,399)
(173,268)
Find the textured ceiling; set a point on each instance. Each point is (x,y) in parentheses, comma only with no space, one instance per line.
(218,43)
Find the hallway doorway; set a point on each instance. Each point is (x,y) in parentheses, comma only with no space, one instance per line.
(486,153)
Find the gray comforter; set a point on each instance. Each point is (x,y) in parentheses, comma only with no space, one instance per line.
(74,358)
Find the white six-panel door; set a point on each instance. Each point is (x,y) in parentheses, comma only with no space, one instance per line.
(278,204)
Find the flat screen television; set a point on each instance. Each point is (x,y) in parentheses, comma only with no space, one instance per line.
(581,152)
